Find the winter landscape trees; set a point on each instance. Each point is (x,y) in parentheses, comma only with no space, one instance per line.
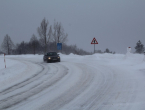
(48,37)
(59,35)
(34,44)
(139,47)
(7,44)
(42,31)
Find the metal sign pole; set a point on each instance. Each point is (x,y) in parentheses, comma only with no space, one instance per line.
(94,41)
(94,48)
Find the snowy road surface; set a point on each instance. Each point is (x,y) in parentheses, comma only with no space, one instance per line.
(93,82)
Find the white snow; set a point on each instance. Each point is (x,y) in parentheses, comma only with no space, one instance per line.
(89,82)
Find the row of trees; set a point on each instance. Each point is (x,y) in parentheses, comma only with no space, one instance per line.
(139,48)
(48,35)
(106,51)
(48,38)
(35,46)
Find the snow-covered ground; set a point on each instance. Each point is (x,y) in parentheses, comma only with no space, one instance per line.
(91,82)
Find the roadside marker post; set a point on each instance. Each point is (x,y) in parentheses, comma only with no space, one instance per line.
(94,41)
(144,57)
(4,60)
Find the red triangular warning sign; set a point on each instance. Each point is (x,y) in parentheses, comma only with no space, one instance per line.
(94,41)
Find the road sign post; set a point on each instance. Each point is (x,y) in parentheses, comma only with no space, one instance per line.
(94,41)
(94,48)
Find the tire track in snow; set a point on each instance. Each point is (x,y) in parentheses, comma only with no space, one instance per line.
(92,93)
(113,91)
(19,97)
(78,88)
(109,90)
(23,83)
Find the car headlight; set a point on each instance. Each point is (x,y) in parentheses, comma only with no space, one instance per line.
(49,58)
(58,57)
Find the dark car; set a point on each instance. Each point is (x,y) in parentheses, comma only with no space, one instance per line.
(51,57)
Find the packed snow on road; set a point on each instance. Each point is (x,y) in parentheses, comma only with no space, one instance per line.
(90,82)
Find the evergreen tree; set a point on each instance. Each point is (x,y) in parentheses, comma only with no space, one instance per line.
(107,51)
(139,47)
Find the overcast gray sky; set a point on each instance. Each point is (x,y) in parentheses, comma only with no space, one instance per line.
(116,24)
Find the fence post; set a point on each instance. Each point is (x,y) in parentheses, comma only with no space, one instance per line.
(4,60)
(144,57)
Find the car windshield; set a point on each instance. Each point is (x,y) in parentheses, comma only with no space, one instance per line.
(51,54)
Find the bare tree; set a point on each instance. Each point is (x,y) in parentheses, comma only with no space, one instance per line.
(23,48)
(7,44)
(50,34)
(59,36)
(34,43)
(44,36)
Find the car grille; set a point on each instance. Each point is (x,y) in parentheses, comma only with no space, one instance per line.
(54,58)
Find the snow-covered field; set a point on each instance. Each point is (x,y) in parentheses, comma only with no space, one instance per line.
(91,82)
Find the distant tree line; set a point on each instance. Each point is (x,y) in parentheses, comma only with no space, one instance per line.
(139,48)
(48,37)
(47,40)
(106,51)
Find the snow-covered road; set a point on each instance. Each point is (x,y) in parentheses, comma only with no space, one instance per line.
(95,82)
